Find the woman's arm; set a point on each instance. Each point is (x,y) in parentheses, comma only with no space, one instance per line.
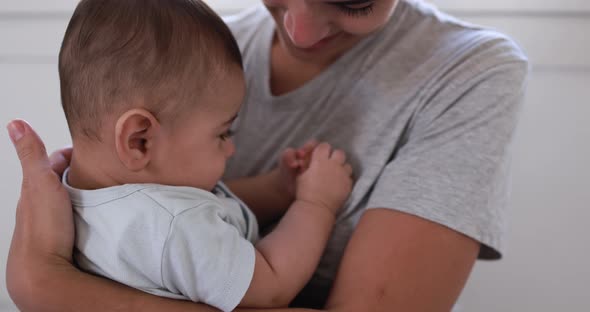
(399,262)
(394,262)
(264,196)
(39,274)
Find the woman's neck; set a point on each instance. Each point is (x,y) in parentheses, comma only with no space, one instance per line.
(288,73)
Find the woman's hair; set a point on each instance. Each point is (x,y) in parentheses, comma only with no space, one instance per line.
(156,54)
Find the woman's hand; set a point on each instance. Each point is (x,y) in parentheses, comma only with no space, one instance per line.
(44,222)
(40,275)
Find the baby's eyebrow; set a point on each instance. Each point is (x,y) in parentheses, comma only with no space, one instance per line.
(231,120)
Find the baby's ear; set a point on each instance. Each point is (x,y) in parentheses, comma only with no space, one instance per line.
(135,133)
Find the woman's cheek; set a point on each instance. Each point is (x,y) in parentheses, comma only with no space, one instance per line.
(361,26)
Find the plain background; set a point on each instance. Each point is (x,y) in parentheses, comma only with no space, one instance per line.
(547,266)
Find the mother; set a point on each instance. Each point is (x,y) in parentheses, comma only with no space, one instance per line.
(426,107)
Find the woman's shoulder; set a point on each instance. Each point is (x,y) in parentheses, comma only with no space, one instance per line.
(445,35)
(426,43)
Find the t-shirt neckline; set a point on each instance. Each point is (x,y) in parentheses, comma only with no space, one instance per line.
(321,80)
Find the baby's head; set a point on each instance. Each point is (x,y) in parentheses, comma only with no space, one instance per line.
(149,89)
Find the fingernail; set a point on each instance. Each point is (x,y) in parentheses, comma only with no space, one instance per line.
(16,130)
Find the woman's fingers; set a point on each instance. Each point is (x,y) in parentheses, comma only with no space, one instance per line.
(60,160)
(44,227)
(44,214)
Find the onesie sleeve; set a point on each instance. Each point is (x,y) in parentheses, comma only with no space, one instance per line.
(206,259)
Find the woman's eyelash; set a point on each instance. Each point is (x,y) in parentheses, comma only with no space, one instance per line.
(226,135)
(356,11)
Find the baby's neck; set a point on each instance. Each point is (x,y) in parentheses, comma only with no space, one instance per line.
(92,169)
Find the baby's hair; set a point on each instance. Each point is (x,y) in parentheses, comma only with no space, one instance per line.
(156,54)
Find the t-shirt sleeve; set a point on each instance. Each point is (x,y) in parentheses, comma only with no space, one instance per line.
(206,259)
(453,168)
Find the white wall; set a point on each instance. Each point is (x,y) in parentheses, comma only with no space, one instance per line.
(547,265)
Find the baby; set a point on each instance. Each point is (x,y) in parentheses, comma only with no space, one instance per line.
(150,90)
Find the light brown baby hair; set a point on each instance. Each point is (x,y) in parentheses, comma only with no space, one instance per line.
(156,54)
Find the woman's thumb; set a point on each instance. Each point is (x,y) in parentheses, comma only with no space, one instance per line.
(29,147)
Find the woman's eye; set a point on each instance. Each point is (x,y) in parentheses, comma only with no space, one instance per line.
(355,8)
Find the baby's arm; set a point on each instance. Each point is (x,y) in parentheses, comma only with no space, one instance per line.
(207,259)
(288,256)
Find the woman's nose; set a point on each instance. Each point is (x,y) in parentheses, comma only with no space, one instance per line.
(303,26)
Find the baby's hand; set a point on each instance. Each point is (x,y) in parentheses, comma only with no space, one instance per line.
(293,162)
(327,182)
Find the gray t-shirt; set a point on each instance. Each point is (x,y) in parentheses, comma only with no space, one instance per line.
(171,241)
(426,110)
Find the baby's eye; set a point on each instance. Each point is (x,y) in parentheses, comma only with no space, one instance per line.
(227,134)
